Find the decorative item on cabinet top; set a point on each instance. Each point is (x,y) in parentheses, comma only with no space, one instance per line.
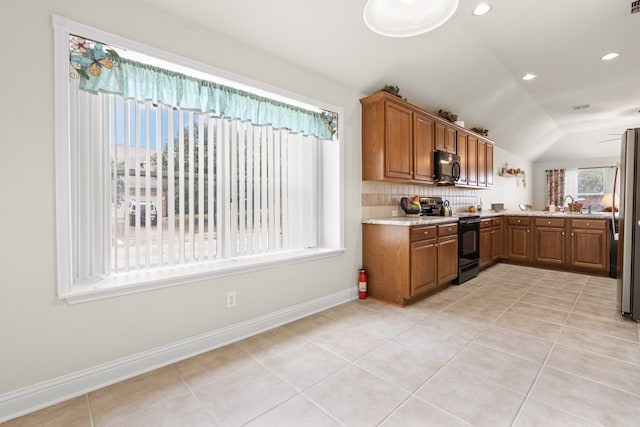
(393,90)
(448,115)
(480,131)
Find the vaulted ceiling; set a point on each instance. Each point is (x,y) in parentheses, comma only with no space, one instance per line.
(472,66)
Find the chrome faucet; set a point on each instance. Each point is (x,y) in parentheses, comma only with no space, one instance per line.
(569,196)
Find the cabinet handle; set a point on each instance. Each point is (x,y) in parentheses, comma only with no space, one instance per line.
(563,233)
(449,229)
(426,232)
(587,224)
(528,230)
(548,222)
(518,221)
(572,234)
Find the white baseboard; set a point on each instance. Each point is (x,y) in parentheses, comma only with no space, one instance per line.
(31,398)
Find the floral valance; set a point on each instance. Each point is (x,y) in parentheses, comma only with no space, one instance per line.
(143,82)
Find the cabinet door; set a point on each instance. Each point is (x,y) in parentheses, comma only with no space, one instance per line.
(496,243)
(489,168)
(423,131)
(589,249)
(485,247)
(462,152)
(440,136)
(482,163)
(447,258)
(549,245)
(519,243)
(450,140)
(472,160)
(423,266)
(398,141)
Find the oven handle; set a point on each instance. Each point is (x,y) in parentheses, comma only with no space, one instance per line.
(468,220)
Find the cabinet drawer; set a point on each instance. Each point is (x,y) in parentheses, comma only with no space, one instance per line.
(519,220)
(595,224)
(447,229)
(422,233)
(496,222)
(485,223)
(550,222)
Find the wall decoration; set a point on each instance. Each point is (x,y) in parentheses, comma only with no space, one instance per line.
(88,57)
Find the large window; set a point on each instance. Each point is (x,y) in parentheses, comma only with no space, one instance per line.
(183,181)
(589,186)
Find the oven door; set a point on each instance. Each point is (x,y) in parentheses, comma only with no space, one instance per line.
(468,249)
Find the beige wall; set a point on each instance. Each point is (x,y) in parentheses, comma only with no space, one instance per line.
(42,337)
(510,190)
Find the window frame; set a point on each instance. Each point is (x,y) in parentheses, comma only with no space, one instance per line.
(331,212)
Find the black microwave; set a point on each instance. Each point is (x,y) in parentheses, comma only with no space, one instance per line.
(446,167)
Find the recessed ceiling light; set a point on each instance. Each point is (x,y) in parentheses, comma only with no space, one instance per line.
(529,76)
(481,9)
(609,56)
(408,17)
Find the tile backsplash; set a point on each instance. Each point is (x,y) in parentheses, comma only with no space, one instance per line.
(381,199)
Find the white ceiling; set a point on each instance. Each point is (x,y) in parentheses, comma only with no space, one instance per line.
(471,65)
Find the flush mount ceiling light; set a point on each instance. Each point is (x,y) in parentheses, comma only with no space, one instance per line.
(609,56)
(481,9)
(406,18)
(529,76)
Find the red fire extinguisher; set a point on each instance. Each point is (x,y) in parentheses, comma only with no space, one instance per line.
(362,284)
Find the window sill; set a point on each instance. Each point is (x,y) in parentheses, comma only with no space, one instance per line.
(125,284)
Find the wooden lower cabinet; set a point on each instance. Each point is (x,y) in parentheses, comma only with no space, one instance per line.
(447,258)
(404,264)
(424,265)
(549,245)
(518,239)
(490,241)
(589,244)
(486,243)
(496,239)
(566,243)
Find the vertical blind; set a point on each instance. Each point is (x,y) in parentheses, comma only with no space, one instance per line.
(220,188)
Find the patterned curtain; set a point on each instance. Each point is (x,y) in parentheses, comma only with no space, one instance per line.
(555,186)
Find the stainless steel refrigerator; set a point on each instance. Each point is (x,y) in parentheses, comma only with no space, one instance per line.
(628,265)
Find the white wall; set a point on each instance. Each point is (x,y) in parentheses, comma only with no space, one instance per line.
(508,190)
(43,338)
(540,176)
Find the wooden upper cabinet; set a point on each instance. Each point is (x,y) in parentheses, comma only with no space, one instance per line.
(398,140)
(450,140)
(482,163)
(489,168)
(472,160)
(423,133)
(462,152)
(398,147)
(445,137)
(440,136)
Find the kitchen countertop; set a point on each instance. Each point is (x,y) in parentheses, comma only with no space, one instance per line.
(429,220)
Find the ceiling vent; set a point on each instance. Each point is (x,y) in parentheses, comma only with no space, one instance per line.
(635,6)
(581,107)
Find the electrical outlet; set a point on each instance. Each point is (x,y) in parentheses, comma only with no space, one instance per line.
(394,212)
(231,299)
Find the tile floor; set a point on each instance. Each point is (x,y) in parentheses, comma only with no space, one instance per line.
(516,346)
